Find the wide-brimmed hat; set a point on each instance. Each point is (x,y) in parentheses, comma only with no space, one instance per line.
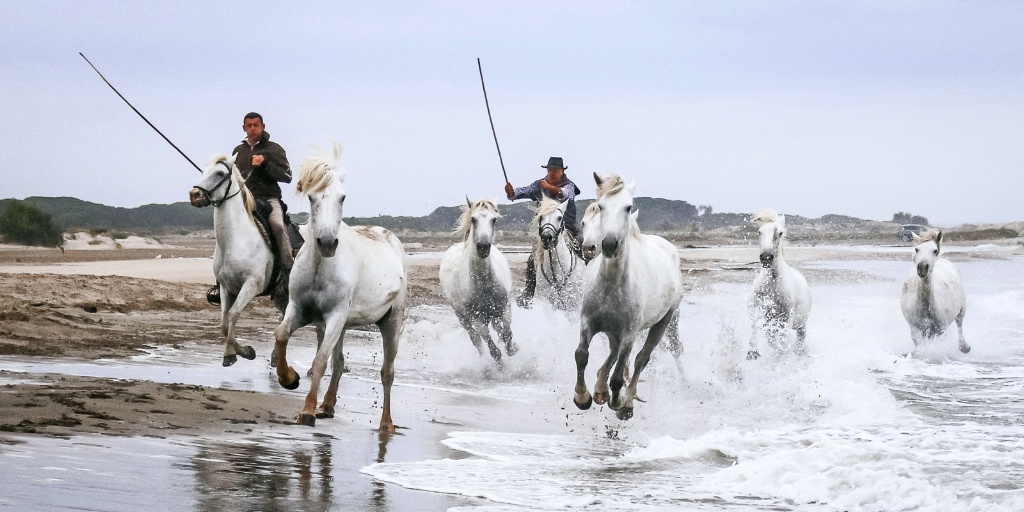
(555,161)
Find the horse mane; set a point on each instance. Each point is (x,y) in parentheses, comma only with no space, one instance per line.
(318,171)
(927,236)
(546,207)
(247,200)
(611,184)
(764,216)
(465,223)
(591,210)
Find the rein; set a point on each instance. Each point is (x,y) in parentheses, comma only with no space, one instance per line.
(227,193)
(553,260)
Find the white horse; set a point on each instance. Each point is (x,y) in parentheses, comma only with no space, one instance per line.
(632,285)
(350,276)
(242,261)
(933,296)
(476,280)
(558,265)
(782,298)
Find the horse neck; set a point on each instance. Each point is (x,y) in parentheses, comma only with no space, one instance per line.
(479,268)
(231,221)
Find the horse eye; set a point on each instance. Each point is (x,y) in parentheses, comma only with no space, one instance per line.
(473,220)
(342,200)
(629,208)
(494,221)
(936,251)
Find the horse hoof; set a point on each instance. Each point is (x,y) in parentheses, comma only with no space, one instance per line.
(306,419)
(625,413)
(248,352)
(325,411)
(965,349)
(584,406)
(753,354)
(229,360)
(511,349)
(600,398)
(293,384)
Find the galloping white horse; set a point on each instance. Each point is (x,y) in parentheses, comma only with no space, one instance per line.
(557,263)
(933,296)
(351,276)
(632,285)
(781,297)
(242,261)
(476,280)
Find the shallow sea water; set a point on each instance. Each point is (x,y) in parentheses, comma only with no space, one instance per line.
(854,425)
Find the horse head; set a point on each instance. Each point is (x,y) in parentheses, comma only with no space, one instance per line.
(770,235)
(215,185)
(590,228)
(477,224)
(926,251)
(550,221)
(324,185)
(617,219)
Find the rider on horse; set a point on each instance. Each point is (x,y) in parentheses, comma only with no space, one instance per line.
(556,185)
(263,164)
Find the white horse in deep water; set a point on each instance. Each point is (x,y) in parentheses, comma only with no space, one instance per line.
(560,269)
(933,296)
(782,298)
(476,279)
(350,276)
(632,285)
(242,260)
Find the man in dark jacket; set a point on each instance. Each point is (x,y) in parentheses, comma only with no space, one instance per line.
(556,185)
(263,164)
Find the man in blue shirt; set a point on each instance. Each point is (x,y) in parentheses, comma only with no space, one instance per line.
(556,185)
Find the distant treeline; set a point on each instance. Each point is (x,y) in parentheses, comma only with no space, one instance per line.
(658,215)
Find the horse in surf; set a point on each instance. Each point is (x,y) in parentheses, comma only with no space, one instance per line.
(782,298)
(350,276)
(476,279)
(633,284)
(243,262)
(933,296)
(556,258)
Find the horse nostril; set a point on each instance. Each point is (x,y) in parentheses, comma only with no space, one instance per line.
(334,247)
(609,245)
(766,258)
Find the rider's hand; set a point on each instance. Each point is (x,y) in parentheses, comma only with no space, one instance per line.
(551,189)
(509,191)
(257,160)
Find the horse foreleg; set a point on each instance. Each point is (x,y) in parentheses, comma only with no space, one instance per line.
(231,347)
(467,323)
(503,326)
(964,347)
(623,346)
(333,330)
(654,335)
(601,386)
(800,326)
(390,330)
(286,375)
(484,332)
(582,397)
(326,409)
(756,320)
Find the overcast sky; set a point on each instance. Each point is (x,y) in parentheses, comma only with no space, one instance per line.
(855,108)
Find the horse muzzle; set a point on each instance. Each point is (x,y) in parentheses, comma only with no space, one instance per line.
(198,197)
(923,269)
(327,246)
(588,251)
(766,259)
(483,249)
(609,247)
(547,240)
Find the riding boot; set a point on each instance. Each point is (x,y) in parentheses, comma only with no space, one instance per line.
(525,299)
(284,246)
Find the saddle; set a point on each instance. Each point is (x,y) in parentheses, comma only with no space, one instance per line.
(261,213)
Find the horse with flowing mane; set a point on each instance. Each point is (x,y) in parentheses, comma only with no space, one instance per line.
(557,261)
(633,284)
(782,298)
(933,296)
(350,276)
(476,279)
(243,262)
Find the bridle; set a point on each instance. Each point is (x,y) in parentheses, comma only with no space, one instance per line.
(552,254)
(227,193)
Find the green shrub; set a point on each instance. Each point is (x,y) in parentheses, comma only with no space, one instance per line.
(24,223)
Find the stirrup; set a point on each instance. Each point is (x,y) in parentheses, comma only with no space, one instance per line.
(213,295)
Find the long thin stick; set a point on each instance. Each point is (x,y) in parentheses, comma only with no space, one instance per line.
(491,119)
(140,114)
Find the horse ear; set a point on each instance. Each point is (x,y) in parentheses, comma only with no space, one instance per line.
(938,239)
(781,220)
(562,206)
(917,238)
(635,214)
(231,159)
(631,187)
(598,179)
(469,204)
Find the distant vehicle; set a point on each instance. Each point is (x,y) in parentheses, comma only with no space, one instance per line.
(907,231)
